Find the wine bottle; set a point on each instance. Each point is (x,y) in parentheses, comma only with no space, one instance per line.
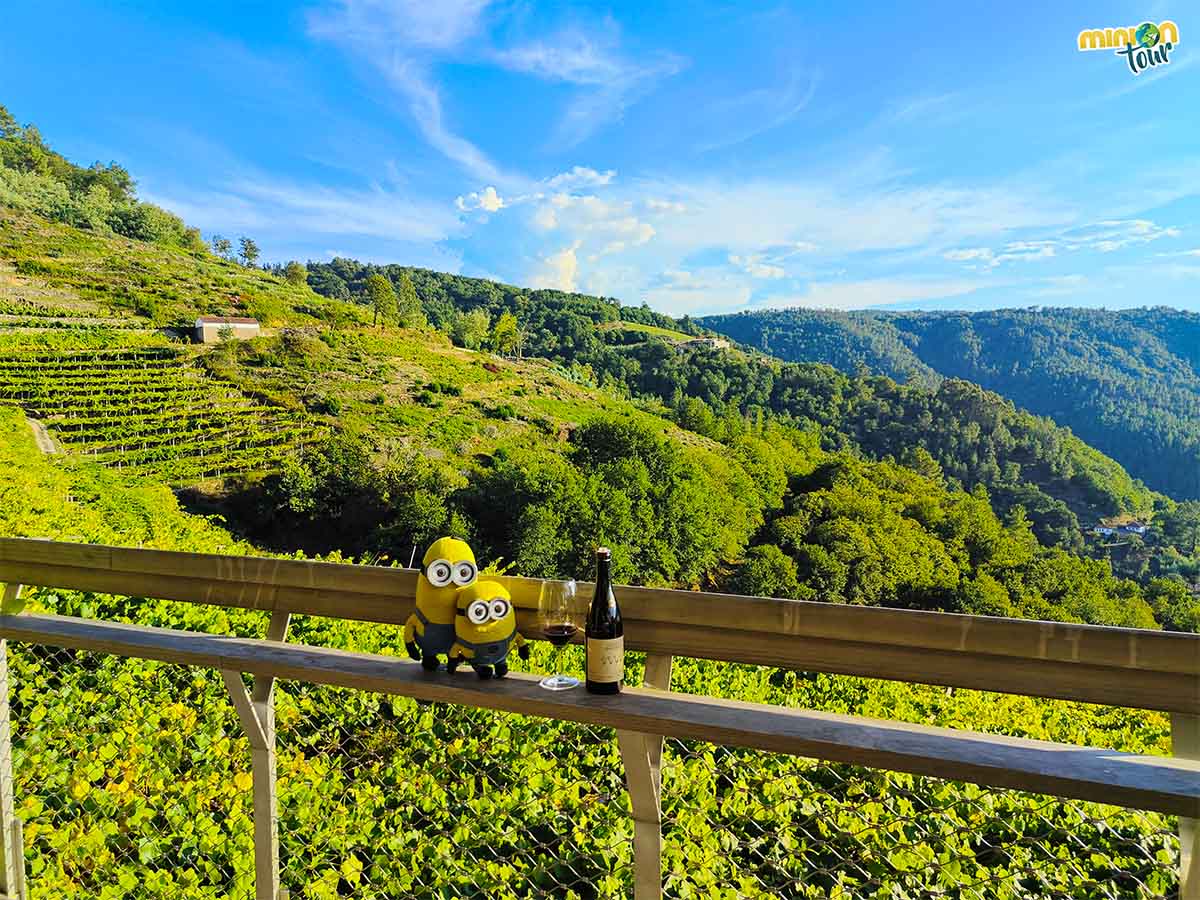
(605,632)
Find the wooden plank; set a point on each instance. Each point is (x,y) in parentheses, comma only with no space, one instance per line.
(1134,687)
(1038,678)
(243,595)
(1164,784)
(1185,744)
(1126,648)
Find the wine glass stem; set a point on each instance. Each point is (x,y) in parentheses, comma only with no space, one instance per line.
(558,661)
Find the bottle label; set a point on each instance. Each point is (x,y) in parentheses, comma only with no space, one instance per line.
(605,659)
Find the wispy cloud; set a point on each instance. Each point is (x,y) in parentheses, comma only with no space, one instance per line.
(263,203)
(401,40)
(1102,237)
(607,80)
(920,108)
(759,111)
(754,265)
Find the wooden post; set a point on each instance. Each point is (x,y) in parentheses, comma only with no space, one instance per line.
(257,714)
(641,755)
(1185,743)
(12,845)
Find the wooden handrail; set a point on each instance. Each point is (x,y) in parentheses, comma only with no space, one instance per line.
(1119,666)
(1162,784)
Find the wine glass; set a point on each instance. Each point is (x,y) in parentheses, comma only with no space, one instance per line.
(558,619)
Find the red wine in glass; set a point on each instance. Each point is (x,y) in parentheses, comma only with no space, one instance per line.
(559,635)
(559,620)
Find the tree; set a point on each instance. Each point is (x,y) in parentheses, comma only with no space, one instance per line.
(408,308)
(766,572)
(296,274)
(249,251)
(470,329)
(222,246)
(383,300)
(506,334)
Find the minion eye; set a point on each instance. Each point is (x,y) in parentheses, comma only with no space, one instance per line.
(464,573)
(439,573)
(477,612)
(499,608)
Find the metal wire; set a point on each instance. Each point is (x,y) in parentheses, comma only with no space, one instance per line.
(133,781)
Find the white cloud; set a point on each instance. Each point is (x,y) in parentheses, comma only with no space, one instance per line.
(1104,237)
(970,254)
(592,219)
(754,266)
(580,177)
(487,200)
(559,270)
(1114,234)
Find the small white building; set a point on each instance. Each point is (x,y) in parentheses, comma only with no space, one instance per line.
(210,328)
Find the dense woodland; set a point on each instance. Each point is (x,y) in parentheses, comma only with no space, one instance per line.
(1126,382)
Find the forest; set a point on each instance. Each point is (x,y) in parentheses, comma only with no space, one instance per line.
(1125,381)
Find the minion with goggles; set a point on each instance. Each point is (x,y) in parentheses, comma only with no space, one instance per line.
(447,568)
(484,629)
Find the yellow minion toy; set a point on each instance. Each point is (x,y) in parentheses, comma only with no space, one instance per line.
(448,567)
(484,628)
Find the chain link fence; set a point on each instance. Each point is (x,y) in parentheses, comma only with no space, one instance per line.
(133,781)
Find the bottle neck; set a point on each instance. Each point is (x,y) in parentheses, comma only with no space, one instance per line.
(603,573)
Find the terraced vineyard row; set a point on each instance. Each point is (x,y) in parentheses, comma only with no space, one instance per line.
(151,410)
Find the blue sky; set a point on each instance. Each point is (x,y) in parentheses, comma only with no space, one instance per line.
(699,156)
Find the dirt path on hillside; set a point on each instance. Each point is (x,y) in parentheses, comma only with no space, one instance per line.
(42,436)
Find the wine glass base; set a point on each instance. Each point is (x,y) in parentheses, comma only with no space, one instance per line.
(559,682)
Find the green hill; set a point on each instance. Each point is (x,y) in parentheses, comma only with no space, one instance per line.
(1126,382)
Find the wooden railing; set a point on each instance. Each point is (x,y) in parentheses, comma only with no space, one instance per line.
(1114,666)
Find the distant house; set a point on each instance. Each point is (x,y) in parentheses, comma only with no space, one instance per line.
(713,342)
(1125,524)
(209,329)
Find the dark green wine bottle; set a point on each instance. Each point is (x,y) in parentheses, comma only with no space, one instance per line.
(605,632)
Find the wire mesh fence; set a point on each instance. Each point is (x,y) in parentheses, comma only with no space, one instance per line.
(133,781)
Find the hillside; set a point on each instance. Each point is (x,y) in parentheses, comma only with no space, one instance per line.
(976,438)
(1126,382)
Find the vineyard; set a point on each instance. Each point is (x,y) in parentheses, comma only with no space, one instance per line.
(149,409)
